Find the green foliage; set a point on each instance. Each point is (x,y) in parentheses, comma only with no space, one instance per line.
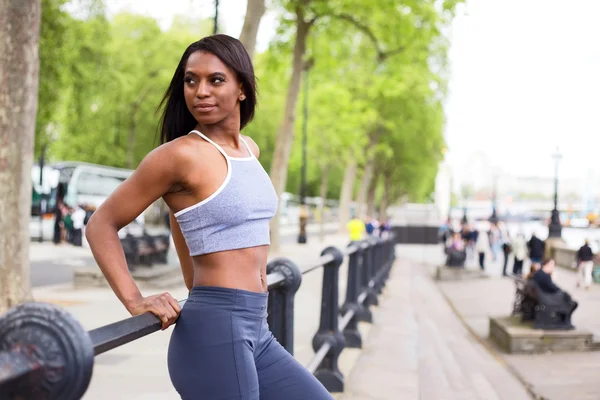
(53,33)
(101,82)
(375,89)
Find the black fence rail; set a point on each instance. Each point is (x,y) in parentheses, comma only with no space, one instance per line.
(45,353)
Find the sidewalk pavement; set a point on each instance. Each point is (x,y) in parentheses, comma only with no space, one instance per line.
(418,349)
(558,376)
(138,370)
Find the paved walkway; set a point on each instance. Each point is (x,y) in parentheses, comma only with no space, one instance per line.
(558,376)
(418,349)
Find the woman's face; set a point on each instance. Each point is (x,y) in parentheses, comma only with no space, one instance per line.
(211,89)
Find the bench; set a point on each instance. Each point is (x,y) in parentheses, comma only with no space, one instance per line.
(145,250)
(160,247)
(547,310)
(520,285)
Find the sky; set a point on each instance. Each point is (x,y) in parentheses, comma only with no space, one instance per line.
(525,78)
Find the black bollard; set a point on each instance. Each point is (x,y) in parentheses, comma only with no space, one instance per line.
(328,372)
(45,354)
(361,313)
(281,301)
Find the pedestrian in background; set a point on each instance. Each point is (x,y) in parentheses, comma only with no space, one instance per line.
(585,265)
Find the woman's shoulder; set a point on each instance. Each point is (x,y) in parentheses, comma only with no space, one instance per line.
(178,154)
(185,148)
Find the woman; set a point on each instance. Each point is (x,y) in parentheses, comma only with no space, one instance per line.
(221,201)
(482,246)
(520,253)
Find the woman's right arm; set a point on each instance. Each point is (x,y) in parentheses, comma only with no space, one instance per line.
(155,175)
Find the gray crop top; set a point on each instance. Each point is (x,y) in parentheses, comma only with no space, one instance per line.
(237,215)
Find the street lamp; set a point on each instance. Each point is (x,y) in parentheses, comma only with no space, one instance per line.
(464,194)
(42,199)
(216,25)
(555,228)
(494,217)
(303,207)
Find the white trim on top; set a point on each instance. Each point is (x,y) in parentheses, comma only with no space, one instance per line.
(251,157)
(220,189)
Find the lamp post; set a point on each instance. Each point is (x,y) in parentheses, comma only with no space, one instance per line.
(464,195)
(494,217)
(303,207)
(555,228)
(42,199)
(216,25)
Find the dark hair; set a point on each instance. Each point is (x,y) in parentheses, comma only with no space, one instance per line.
(176,119)
(547,260)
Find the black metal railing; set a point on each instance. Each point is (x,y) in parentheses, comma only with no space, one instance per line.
(46,354)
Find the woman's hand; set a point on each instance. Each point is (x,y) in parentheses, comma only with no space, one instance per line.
(164,306)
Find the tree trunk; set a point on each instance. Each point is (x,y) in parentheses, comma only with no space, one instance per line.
(285,135)
(365,184)
(255,9)
(383,204)
(371,196)
(131,138)
(367,176)
(323,195)
(135,107)
(19,72)
(346,193)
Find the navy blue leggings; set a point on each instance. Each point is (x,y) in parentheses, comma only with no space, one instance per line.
(222,349)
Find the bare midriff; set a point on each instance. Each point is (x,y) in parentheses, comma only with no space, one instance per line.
(244,269)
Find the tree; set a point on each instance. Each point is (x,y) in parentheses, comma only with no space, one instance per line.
(19,72)
(53,79)
(415,66)
(255,9)
(380,33)
(285,135)
(118,72)
(306,13)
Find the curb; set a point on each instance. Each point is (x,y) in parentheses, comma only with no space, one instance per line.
(493,351)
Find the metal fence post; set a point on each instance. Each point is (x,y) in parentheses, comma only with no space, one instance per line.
(379,266)
(281,302)
(44,354)
(391,255)
(328,372)
(361,313)
(367,274)
(385,261)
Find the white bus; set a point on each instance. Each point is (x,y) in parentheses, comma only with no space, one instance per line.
(76,183)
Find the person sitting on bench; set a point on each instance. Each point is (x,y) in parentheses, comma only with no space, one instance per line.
(456,252)
(543,277)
